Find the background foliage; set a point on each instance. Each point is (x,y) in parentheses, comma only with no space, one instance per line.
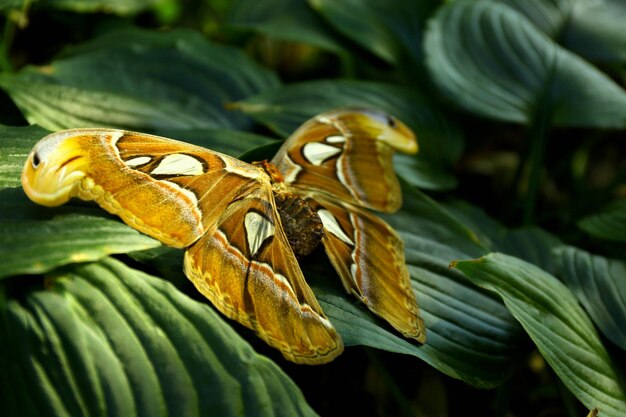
(514,218)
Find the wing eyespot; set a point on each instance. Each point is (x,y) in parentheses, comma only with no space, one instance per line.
(35,160)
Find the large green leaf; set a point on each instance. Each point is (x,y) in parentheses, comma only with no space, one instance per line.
(11,4)
(600,285)
(139,80)
(562,331)
(104,339)
(531,244)
(35,239)
(392,29)
(492,61)
(283,19)
(488,230)
(231,142)
(593,29)
(440,141)
(470,335)
(609,223)
(437,230)
(122,7)
(15,144)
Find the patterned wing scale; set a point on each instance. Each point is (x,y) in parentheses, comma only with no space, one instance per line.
(369,258)
(347,154)
(248,271)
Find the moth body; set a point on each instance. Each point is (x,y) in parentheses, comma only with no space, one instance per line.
(302,224)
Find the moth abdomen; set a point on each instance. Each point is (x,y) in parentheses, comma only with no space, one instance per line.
(301,223)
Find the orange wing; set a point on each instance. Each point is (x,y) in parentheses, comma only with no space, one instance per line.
(170,190)
(347,154)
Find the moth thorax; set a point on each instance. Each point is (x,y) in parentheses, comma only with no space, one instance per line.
(272,170)
(302,225)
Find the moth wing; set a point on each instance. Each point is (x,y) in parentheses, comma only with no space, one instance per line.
(247,269)
(368,255)
(348,154)
(170,190)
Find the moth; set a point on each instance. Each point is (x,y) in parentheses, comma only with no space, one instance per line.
(244,226)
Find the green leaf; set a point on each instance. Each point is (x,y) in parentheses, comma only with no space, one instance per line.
(230,142)
(487,229)
(104,339)
(600,285)
(11,4)
(609,223)
(469,333)
(440,141)
(121,7)
(15,145)
(392,30)
(490,60)
(291,20)
(35,239)
(423,174)
(120,80)
(531,244)
(168,262)
(592,29)
(434,228)
(562,331)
